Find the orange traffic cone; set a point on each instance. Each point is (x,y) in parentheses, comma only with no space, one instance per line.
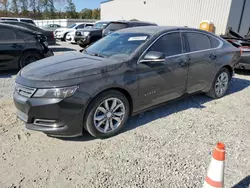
(215,175)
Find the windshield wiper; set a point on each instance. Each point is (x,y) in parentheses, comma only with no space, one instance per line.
(94,54)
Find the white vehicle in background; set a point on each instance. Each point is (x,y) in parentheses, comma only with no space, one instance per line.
(70,37)
(61,33)
(26,20)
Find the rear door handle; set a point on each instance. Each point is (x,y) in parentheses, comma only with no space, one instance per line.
(213,56)
(183,62)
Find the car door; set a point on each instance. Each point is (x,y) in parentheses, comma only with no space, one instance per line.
(163,80)
(10,47)
(202,50)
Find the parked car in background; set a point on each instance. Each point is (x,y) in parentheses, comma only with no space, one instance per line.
(51,26)
(89,36)
(20,47)
(120,75)
(243,43)
(47,33)
(70,37)
(114,26)
(61,33)
(25,20)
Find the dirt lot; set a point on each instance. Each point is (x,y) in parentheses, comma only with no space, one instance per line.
(166,147)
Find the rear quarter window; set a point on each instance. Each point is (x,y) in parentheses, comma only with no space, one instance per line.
(214,42)
(198,41)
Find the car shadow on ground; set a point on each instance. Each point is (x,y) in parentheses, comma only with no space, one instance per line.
(8,74)
(245,183)
(195,101)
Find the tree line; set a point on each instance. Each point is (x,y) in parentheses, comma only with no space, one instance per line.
(45,9)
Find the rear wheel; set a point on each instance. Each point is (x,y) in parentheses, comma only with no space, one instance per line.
(107,114)
(220,84)
(28,57)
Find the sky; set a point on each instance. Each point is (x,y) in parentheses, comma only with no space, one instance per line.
(91,4)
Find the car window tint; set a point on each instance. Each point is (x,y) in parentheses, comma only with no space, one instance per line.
(7,35)
(115,26)
(89,25)
(27,21)
(169,44)
(81,26)
(9,19)
(198,41)
(214,42)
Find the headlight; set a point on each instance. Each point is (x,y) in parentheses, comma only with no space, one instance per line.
(85,33)
(56,92)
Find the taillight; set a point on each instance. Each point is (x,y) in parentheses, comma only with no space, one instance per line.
(244,49)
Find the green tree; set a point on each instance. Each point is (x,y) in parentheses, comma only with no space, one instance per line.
(14,7)
(71,10)
(24,7)
(96,14)
(4,5)
(86,13)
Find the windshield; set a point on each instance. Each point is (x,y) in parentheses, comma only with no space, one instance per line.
(100,25)
(72,26)
(117,44)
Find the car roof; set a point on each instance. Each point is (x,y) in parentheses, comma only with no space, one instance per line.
(152,30)
(17,27)
(132,22)
(15,18)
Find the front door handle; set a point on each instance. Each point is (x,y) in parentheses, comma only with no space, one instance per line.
(213,56)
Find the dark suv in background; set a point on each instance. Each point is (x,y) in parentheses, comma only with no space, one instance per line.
(20,47)
(84,37)
(89,36)
(47,33)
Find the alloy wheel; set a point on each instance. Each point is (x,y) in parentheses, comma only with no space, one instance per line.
(109,115)
(221,84)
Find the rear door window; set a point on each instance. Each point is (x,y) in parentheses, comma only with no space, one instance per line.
(115,26)
(7,35)
(81,26)
(170,44)
(198,41)
(214,42)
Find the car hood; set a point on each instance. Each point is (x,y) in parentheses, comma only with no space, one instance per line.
(71,65)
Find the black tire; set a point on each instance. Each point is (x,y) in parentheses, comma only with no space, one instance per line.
(89,123)
(212,92)
(28,57)
(64,37)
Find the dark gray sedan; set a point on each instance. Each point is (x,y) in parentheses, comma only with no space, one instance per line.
(121,75)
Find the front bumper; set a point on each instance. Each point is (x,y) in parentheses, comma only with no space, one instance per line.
(55,117)
(83,40)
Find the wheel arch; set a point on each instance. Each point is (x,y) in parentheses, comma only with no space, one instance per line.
(230,69)
(121,90)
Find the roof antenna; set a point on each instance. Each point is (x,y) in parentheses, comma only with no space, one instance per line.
(122,18)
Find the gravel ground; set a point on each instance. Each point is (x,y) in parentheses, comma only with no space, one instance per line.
(166,147)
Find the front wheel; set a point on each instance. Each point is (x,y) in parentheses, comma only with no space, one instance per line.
(107,114)
(220,84)
(27,58)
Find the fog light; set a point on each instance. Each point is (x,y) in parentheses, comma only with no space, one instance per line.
(47,123)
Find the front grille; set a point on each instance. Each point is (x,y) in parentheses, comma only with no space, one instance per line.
(24,91)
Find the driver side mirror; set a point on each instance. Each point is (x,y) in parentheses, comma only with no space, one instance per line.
(154,56)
